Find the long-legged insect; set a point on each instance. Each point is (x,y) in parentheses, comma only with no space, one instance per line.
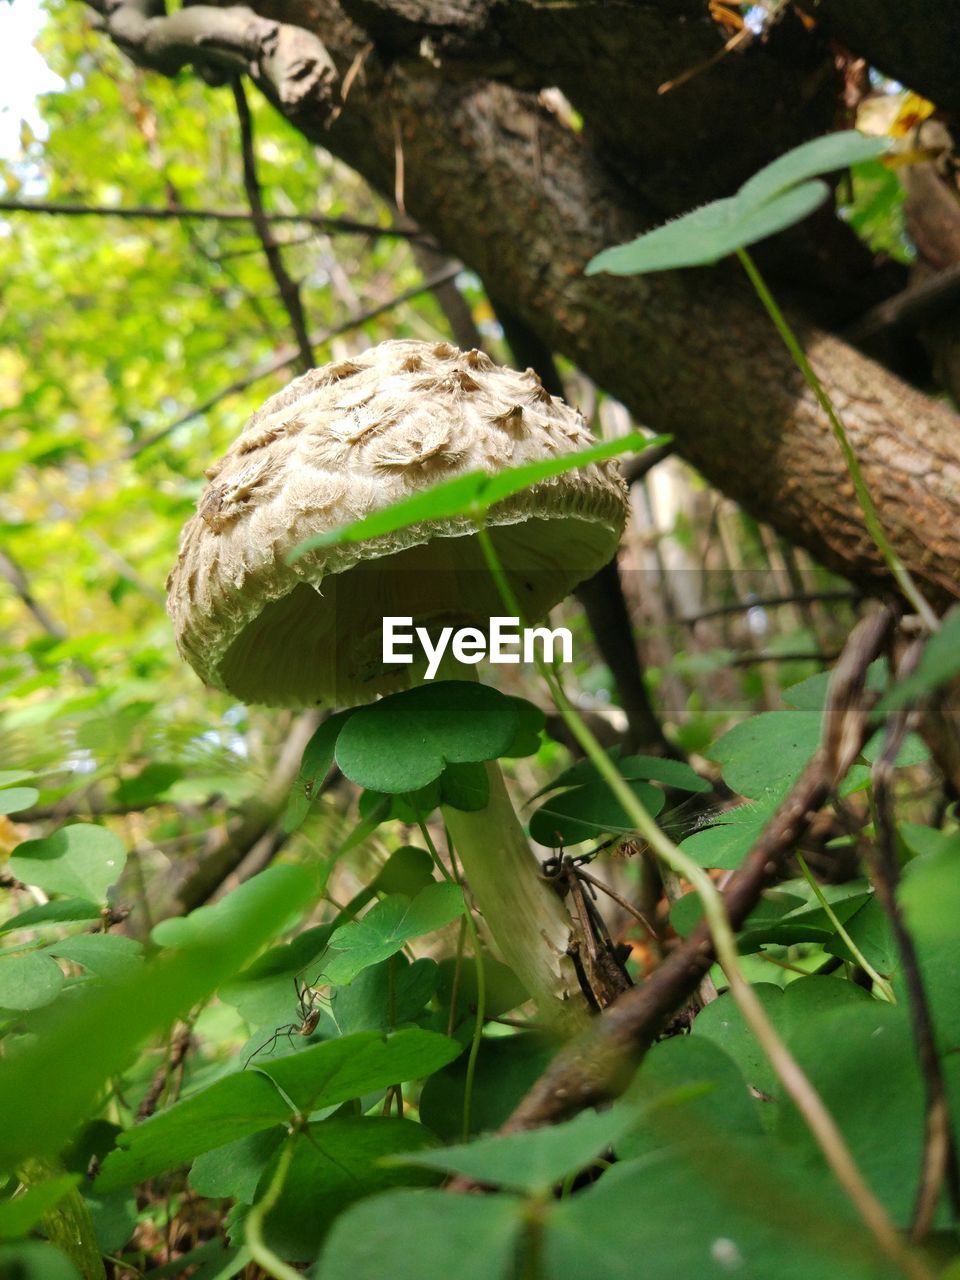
(310,1010)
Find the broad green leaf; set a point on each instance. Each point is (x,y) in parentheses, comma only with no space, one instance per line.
(35,1260)
(503,991)
(265,991)
(9,777)
(150,785)
(239,1105)
(686,1089)
(14,799)
(424,1235)
(28,981)
(672,773)
(386,995)
(710,233)
(314,766)
(405,741)
(588,812)
(727,842)
(107,955)
(99,1033)
(57,911)
(913,750)
(530,722)
(20,1215)
(537,1160)
(739,1206)
(505,1070)
(208,926)
(764,755)
(465,786)
(334,1164)
(386,928)
(471,495)
(810,160)
(234,1170)
(82,860)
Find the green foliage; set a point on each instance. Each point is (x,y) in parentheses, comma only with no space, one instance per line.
(780,195)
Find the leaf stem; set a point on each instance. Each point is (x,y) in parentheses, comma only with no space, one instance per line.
(253,1231)
(872,520)
(880,982)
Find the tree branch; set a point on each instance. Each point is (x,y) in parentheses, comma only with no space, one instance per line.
(288,288)
(288,61)
(16,579)
(183,213)
(288,356)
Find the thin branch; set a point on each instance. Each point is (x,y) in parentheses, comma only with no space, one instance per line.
(179,212)
(939,1150)
(287,287)
(643,463)
(288,356)
(14,576)
(913,307)
(599,1065)
(773,602)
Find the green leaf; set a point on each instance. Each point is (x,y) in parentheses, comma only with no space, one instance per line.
(13,799)
(386,928)
(405,741)
(505,1070)
(465,786)
(386,995)
(764,755)
(234,1170)
(471,495)
(82,860)
(21,1215)
(210,926)
(149,786)
(107,955)
(334,1164)
(775,198)
(314,766)
(239,1105)
(530,722)
(672,773)
(35,1260)
(810,160)
(739,1206)
(424,1235)
(58,911)
(99,1033)
(730,838)
(912,751)
(586,812)
(28,981)
(537,1160)
(710,233)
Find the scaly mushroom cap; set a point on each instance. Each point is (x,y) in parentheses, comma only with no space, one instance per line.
(344,441)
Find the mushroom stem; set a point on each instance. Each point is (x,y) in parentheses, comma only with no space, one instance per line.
(526,918)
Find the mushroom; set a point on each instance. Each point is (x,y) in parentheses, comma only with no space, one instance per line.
(335,445)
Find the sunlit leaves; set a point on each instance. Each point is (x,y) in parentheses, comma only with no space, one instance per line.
(81,860)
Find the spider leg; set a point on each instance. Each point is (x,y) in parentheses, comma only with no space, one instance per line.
(271,1041)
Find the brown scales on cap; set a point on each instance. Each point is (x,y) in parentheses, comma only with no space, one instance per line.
(350,439)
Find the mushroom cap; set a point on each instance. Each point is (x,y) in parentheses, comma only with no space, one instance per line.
(349,439)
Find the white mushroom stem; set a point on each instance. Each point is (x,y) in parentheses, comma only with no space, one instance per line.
(525,916)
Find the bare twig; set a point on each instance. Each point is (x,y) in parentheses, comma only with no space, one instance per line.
(184,213)
(288,356)
(179,1047)
(773,602)
(287,287)
(14,576)
(939,1152)
(636,468)
(913,307)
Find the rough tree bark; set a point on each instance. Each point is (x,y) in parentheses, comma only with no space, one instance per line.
(512,190)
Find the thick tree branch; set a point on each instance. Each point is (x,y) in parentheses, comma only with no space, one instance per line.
(288,62)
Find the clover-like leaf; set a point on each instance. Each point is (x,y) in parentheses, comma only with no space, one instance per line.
(405,741)
(82,860)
